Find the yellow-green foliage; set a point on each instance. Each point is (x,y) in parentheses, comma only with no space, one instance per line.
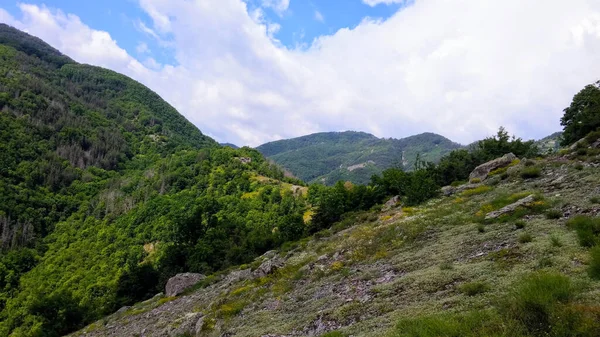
(166,299)
(232,308)
(475,181)
(477,190)
(337,265)
(498,171)
(409,210)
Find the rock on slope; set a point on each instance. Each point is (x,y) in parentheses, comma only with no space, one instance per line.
(386,266)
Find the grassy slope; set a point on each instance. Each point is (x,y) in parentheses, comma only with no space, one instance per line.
(325,157)
(394,265)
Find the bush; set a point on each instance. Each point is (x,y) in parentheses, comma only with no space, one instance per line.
(475,181)
(481,228)
(525,238)
(446,265)
(587,228)
(529,163)
(555,241)
(553,214)
(531,172)
(535,303)
(594,268)
(520,224)
(595,200)
(578,166)
(474,288)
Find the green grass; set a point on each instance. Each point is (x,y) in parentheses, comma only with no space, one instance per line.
(520,224)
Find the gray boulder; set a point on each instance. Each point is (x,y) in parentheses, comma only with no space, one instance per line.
(481,172)
(238,275)
(180,282)
(391,203)
(510,208)
(269,266)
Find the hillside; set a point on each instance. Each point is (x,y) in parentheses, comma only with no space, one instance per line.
(352,156)
(106,191)
(439,269)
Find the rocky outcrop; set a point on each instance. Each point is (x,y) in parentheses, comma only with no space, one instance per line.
(180,282)
(510,208)
(391,203)
(268,267)
(481,172)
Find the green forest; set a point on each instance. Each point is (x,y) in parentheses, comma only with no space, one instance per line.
(106,191)
(329,157)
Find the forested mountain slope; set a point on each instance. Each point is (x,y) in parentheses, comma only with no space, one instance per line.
(106,191)
(458,265)
(352,156)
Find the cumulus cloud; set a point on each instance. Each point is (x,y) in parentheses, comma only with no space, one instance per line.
(461,68)
(279,6)
(374,3)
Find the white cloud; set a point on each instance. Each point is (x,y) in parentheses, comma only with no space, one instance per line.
(460,68)
(279,6)
(142,48)
(374,3)
(319,16)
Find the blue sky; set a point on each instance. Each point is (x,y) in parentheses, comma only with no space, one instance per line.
(249,72)
(300,23)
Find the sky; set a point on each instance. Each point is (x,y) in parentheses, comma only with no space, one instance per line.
(253,71)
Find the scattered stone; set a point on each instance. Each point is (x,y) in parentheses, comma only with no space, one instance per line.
(245,160)
(510,208)
(180,282)
(481,172)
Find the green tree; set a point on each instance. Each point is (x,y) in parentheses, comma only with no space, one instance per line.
(582,116)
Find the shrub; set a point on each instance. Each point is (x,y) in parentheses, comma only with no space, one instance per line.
(594,268)
(587,228)
(553,214)
(475,181)
(474,288)
(481,228)
(578,166)
(525,238)
(457,183)
(529,162)
(531,172)
(520,224)
(535,303)
(446,265)
(555,241)
(595,200)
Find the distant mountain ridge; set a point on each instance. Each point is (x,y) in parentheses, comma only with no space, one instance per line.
(353,156)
